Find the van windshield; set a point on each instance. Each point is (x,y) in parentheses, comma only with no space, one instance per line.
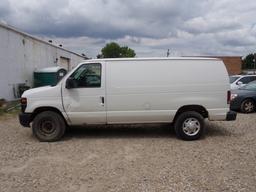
(232,79)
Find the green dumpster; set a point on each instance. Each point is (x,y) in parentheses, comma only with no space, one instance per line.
(48,76)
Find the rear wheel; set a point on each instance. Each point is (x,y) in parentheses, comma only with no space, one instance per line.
(48,126)
(247,106)
(189,125)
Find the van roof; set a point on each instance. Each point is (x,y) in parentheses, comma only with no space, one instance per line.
(154,58)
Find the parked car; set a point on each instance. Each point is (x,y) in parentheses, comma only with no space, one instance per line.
(244,98)
(127,91)
(238,81)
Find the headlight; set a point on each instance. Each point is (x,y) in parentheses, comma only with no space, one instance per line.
(233,96)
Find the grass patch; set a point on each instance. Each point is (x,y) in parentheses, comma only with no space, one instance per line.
(10,108)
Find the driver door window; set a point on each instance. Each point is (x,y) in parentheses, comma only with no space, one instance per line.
(88,76)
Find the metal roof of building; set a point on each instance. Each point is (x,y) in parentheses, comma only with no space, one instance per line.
(8,27)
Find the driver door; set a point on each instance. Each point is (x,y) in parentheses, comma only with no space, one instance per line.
(84,102)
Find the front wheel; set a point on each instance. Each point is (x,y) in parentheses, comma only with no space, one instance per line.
(48,126)
(189,125)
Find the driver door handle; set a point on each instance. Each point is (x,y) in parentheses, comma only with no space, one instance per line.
(102,101)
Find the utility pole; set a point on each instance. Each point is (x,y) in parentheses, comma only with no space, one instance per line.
(254,67)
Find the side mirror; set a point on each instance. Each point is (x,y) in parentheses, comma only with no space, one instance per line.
(70,83)
(239,83)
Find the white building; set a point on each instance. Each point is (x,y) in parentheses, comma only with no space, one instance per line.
(21,54)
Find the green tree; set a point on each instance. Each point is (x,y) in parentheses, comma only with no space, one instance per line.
(127,52)
(248,61)
(114,50)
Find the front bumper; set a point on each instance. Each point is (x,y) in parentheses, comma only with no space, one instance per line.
(231,116)
(25,119)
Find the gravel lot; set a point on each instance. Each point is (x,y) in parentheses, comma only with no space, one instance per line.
(130,158)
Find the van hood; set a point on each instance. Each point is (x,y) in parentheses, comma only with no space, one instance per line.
(46,91)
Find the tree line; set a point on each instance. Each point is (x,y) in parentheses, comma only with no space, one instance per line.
(249,61)
(114,50)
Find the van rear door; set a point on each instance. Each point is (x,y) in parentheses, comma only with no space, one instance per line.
(84,101)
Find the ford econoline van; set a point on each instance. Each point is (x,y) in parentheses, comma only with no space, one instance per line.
(183,91)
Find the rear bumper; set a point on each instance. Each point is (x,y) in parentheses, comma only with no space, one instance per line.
(231,116)
(235,106)
(25,119)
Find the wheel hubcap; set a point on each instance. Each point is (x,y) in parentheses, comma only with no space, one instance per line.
(191,126)
(248,106)
(47,127)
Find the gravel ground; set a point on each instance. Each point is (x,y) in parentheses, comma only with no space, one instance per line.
(130,158)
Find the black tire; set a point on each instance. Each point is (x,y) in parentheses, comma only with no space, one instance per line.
(48,126)
(189,125)
(247,106)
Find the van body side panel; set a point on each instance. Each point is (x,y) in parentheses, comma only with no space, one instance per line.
(218,114)
(153,90)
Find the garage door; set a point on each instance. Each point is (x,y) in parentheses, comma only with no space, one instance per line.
(65,63)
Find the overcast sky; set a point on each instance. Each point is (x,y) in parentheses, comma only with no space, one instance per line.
(150,27)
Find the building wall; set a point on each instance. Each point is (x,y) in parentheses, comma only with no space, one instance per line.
(233,64)
(21,55)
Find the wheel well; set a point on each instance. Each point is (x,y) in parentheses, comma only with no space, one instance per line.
(250,98)
(197,108)
(42,109)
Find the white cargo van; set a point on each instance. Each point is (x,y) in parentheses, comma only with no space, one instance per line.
(182,91)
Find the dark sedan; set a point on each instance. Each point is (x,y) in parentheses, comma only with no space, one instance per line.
(244,99)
